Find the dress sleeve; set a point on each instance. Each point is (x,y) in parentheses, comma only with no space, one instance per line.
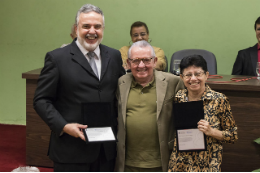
(228,125)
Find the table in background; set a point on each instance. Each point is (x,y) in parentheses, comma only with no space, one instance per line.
(244,99)
(245,104)
(37,132)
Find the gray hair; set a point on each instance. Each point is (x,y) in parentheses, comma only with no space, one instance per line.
(87,8)
(141,44)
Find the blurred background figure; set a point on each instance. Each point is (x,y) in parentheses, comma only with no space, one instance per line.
(73,34)
(247,59)
(139,31)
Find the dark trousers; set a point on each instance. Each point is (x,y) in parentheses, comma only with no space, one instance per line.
(99,165)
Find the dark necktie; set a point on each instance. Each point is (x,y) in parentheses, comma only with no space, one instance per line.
(92,62)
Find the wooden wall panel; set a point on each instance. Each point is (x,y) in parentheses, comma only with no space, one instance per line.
(37,132)
(243,156)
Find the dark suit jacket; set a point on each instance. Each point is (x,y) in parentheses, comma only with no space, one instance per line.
(245,63)
(66,81)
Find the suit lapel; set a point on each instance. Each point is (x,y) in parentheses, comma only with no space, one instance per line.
(105,58)
(254,57)
(124,89)
(78,56)
(161,87)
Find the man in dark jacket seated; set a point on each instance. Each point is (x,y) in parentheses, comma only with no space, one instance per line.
(247,59)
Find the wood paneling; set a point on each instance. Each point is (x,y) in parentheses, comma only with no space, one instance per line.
(243,156)
(33,74)
(244,97)
(37,132)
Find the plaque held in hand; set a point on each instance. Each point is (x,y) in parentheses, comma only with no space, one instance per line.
(99,119)
(186,116)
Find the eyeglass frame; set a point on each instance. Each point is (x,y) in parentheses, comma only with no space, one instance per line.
(197,75)
(141,59)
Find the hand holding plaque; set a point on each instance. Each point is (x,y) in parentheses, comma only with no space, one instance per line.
(99,120)
(205,127)
(75,130)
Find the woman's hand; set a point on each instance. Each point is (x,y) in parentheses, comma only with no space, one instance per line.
(204,126)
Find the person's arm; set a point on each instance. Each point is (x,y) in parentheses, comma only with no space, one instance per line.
(46,95)
(161,63)
(238,65)
(227,122)
(124,51)
(121,66)
(121,73)
(205,127)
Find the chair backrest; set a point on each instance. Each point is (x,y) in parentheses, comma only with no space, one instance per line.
(208,56)
(166,68)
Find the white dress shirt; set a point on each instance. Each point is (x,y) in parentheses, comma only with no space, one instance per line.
(97,57)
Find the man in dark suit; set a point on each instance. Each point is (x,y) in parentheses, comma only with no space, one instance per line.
(247,59)
(84,71)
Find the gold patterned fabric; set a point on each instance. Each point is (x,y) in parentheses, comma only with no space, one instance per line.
(218,113)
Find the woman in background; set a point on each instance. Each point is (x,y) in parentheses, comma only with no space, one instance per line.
(139,31)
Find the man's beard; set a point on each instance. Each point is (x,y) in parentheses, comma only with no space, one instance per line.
(87,46)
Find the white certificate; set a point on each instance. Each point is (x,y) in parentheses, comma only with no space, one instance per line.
(190,139)
(99,134)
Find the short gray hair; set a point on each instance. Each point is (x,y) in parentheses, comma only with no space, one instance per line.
(141,44)
(87,8)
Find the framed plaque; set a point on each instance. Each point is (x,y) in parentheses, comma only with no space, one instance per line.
(190,140)
(186,117)
(99,119)
(99,134)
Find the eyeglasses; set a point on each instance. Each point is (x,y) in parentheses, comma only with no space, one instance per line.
(137,61)
(142,34)
(189,75)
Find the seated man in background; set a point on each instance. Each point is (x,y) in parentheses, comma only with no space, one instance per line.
(247,59)
(73,34)
(145,123)
(139,31)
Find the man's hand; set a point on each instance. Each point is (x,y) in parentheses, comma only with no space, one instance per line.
(75,130)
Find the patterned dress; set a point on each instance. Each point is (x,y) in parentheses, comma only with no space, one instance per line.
(218,113)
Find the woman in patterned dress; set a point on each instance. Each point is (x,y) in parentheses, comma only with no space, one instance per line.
(218,124)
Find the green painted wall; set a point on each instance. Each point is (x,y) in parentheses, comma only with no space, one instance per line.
(30,28)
